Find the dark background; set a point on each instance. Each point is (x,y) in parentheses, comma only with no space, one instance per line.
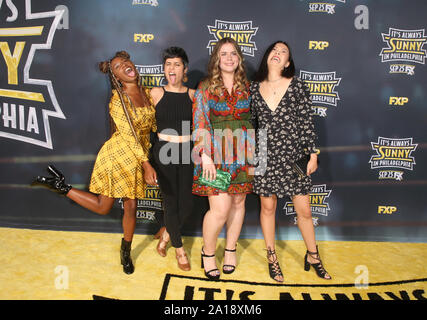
(97,29)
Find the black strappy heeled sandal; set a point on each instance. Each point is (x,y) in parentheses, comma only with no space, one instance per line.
(208,273)
(232,267)
(273,266)
(318,267)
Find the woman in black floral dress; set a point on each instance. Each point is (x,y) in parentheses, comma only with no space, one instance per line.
(281,112)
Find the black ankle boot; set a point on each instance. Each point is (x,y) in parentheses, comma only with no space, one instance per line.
(55,183)
(126,261)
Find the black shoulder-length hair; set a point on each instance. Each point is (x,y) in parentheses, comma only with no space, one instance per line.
(175,52)
(262,72)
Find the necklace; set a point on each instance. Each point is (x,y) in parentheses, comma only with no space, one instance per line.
(130,101)
(273,89)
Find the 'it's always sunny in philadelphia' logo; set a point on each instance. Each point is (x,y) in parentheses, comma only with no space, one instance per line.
(26,103)
(318,203)
(404,46)
(150,206)
(242,32)
(151,75)
(393,154)
(323,7)
(322,89)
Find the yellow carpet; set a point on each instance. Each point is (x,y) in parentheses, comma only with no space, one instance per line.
(77,265)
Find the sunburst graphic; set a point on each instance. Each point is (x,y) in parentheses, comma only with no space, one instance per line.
(26,103)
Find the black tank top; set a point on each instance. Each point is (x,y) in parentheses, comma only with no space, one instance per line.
(174,111)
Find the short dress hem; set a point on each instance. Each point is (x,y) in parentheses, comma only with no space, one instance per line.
(234,189)
(290,132)
(223,112)
(281,195)
(118,171)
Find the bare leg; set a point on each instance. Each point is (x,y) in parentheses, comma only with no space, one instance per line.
(234,227)
(97,203)
(268,220)
(268,226)
(128,223)
(305,222)
(164,238)
(213,222)
(182,258)
(129,218)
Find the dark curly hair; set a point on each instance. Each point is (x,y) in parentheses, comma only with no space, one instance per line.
(105,67)
(175,52)
(287,72)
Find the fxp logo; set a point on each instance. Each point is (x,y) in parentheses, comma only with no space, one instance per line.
(143,37)
(26,103)
(387,209)
(318,45)
(398,101)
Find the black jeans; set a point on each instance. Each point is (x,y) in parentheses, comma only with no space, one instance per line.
(175,177)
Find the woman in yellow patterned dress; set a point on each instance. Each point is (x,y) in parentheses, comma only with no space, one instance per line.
(122,168)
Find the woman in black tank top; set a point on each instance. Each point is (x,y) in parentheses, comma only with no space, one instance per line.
(172,151)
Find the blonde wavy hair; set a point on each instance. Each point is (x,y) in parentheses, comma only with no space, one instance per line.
(214,72)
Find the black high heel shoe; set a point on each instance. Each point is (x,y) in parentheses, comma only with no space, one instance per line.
(318,267)
(273,266)
(125,259)
(55,183)
(208,273)
(233,267)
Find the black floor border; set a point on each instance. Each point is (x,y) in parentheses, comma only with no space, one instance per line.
(169,276)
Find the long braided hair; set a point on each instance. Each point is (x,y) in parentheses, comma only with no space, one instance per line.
(105,67)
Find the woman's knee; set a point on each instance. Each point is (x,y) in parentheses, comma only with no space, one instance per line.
(104,205)
(221,214)
(304,214)
(268,206)
(268,212)
(104,211)
(220,206)
(238,201)
(129,206)
(302,206)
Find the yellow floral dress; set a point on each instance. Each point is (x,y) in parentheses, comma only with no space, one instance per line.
(118,171)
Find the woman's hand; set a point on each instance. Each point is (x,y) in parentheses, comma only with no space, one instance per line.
(150,175)
(312,164)
(209,170)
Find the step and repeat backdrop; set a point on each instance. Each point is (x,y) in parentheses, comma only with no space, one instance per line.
(364,62)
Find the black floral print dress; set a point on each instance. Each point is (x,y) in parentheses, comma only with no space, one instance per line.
(283,137)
